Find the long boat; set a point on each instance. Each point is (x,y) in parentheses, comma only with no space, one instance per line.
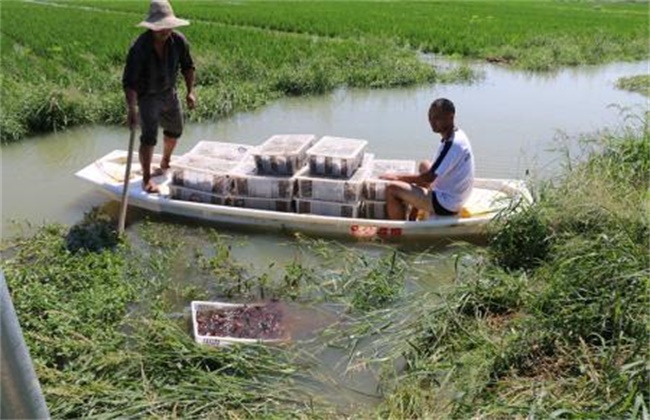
(489,197)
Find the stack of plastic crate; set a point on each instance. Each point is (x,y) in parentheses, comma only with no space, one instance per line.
(265,179)
(332,183)
(374,188)
(201,174)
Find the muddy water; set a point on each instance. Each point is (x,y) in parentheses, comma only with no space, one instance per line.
(512,118)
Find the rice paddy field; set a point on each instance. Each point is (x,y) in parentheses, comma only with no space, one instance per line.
(62,60)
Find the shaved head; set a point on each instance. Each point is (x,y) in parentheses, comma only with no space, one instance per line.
(444,105)
(441,116)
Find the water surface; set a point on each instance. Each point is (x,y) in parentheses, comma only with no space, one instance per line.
(512,118)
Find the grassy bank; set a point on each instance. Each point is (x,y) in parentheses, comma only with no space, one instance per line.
(56,74)
(549,320)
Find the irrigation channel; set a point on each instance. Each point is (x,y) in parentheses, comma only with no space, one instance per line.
(515,121)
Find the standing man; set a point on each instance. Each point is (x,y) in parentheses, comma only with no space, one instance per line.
(149,82)
(442,187)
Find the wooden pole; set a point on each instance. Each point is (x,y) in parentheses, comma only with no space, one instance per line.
(125,188)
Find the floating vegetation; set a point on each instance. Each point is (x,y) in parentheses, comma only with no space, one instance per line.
(640,84)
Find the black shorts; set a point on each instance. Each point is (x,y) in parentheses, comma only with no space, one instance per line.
(437,208)
(160,110)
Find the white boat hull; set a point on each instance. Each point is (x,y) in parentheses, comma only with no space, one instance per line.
(107,173)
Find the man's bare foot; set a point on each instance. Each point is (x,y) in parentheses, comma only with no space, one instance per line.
(162,169)
(150,187)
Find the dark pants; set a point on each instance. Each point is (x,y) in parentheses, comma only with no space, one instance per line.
(438,209)
(160,110)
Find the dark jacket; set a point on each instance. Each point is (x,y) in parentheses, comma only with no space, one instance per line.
(146,73)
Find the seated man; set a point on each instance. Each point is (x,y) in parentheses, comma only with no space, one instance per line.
(442,187)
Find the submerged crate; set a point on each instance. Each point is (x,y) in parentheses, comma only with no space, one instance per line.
(282,154)
(202,173)
(328,208)
(246,182)
(375,188)
(336,156)
(223,324)
(274,204)
(221,150)
(341,190)
(188,194)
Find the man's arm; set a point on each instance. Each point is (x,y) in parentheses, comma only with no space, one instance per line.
(424,179)
(188,75)
(130,76)
(131,106)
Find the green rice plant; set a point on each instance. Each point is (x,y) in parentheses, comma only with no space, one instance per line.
(252,52)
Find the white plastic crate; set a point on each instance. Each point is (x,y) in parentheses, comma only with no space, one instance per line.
(221,150)
(282,154)
(375,209)
(336,156)
(202,173)
(328,208)
(246,182)
(188,194)
(375,188)
(274,204)
(314,187)
(200,308)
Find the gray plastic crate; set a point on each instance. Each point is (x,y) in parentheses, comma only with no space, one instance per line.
(374,209)
(202,173)
(246,182)
(221,150)
(274,204)
(188,194)
(282,154)
(336,156)
(328,208)
(375,188)
(314,187)
(199,307)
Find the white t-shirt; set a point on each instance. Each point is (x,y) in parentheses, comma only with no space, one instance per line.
(453,166)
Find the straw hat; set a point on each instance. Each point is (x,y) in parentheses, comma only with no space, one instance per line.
(161,16)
